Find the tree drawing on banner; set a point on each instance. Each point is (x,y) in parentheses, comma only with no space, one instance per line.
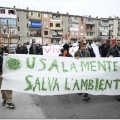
(13,64)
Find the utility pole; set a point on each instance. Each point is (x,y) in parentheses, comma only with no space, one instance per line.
(8,37)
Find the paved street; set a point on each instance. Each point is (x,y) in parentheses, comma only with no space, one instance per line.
(64,106)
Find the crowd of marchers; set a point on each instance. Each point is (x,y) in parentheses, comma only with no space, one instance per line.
(84,50)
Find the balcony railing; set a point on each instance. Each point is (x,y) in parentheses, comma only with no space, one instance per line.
(35,35)
(104,24)
(110,22)
(111,28)
(90,22)
(56,36)
(90,30)
(105,31)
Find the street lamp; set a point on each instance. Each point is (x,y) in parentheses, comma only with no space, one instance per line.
(6,27)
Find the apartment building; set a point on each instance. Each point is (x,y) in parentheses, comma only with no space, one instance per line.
(118,34)
(22,25)
(56,27)
(114,27)
(45,20)
(34,26)
(96,21)
(8,25)
(46,27)
(82,27)
(90,28)
(108,27)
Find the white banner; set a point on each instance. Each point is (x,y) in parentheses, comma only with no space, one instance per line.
(55,50)
(47,75)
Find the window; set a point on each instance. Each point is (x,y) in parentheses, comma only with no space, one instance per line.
(27,25)
(57,25)
(72,33)
(19,37)
(87,34)
(90,27)
(68,27)
(81,19)
(81,27)
(45,24)
(53,32)
(51,24)
(45,15)
(18,19)
(11,12)
(31,13)
(45,32)
(27,34)
(2,11)
(18,28)
(91,34)
(71,26)
(26,15)
(81,34)
(38,14)
(75,18)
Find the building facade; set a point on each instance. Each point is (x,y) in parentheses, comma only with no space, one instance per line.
(23,26)
(8,25)
(26,25)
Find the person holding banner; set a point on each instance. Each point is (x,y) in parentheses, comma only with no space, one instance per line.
(82,52)
(114,51)
(66,50)
(6,94)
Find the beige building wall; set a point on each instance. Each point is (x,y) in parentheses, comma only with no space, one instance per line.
(82,27)
(115,28)
(35,15)
(23,26)
(45,20)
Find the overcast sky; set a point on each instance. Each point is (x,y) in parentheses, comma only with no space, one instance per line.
(100,8)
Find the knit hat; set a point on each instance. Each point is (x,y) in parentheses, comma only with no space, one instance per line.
(65,46)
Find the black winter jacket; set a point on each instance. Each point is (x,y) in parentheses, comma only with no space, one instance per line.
(113,51)
(24,50)
(103,49)
(31,50)
(1,58)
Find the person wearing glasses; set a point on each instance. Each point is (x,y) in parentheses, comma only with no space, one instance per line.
(80,53)
(6,94)
(114,51)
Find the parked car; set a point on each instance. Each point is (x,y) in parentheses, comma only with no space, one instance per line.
(11,49)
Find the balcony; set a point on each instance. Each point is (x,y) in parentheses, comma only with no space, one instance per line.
(90,23)
(90,30)
(111,28)
(35,35)
(111,23)
(73,20)
(104,24)
(10,35)
(55,19)
(105,31)
(56,36)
